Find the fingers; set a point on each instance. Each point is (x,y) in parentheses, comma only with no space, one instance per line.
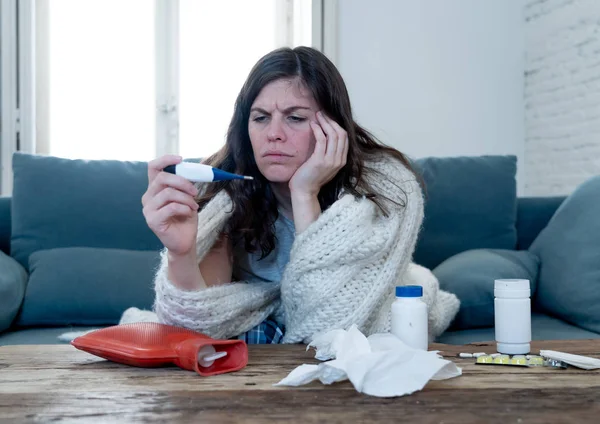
(157,165)
(337,140)
(168,203)
(163,180)
(341,153)
(156,219)
(345,151)
(332,136)
(170,195)
(321,139)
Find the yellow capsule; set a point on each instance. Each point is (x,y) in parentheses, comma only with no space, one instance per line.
(484,359)
(519,360)
(536,360)
(502,359)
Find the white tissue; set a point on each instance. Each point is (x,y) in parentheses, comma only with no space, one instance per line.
(380,365)
(579,361)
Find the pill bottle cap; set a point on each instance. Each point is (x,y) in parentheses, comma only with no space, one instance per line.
(409,291)
(512,288)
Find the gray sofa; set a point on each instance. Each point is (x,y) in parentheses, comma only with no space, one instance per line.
(75,250)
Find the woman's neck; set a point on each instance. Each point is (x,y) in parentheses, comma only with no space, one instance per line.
(281,191)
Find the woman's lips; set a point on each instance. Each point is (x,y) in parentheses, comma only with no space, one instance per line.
(277,154)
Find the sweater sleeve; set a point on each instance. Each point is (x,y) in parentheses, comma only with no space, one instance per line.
(344,267)
(222,311)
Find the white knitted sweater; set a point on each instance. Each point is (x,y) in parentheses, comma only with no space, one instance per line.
(343,270)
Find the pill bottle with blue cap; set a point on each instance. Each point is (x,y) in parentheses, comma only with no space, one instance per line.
(512,314)
(409,317)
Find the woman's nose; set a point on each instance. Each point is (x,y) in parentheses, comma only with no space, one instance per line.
(275,131)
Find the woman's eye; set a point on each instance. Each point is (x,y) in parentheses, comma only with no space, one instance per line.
(296,118)
(259,118)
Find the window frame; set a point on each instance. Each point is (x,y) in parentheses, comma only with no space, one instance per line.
(18,85)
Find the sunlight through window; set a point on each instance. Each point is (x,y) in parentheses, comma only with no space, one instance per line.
(218,49)
(101,79)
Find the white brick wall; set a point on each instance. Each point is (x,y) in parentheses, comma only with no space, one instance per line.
(562,94)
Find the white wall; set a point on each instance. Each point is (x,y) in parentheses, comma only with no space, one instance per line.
(562,94)
(437,77)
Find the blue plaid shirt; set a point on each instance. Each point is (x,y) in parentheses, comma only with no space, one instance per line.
(267,332)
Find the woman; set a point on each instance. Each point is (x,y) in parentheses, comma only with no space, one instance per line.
(317,241)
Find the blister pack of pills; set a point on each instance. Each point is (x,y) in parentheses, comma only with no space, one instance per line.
(482,358)
(519,361)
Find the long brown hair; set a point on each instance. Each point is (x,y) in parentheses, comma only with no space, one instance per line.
(254,205)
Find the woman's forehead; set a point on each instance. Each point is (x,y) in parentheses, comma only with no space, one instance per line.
(284,92)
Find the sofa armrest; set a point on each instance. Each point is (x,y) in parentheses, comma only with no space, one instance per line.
(13,281)
(5,224)
(533,214)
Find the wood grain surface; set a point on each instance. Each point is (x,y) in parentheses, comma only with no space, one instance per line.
(42,383)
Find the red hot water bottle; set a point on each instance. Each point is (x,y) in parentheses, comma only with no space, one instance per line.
(150,344)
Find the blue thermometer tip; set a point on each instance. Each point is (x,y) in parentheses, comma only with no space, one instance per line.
(220,175)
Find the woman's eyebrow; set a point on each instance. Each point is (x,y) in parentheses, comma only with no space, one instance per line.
(293,108)
(259,110)
(286,110)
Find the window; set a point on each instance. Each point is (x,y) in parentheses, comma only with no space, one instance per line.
(101,79)
(212,73)
(133,79)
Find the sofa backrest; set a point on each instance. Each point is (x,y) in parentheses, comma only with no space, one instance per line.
(470,203)
(5,224)
(533,214)
(46,221)
(62,203)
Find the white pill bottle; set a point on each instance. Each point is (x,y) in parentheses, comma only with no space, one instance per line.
(409,317)
(512,315)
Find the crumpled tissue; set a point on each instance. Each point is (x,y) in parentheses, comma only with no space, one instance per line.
(380,365)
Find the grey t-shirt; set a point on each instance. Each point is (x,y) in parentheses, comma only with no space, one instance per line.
(247,266)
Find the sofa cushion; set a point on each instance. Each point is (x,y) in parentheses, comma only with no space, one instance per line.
(67,203)
(470,203)
(87,286)
(13,280)
(39,335)
(470,276)
(569,250)
(543,327)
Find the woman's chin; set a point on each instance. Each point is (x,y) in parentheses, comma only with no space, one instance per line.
(278,178)
(278,174)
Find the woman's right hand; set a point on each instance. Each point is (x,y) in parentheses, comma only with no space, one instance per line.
(169,207)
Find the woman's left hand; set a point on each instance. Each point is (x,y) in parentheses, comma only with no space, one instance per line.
(329,156)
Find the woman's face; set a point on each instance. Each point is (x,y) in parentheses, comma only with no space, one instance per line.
(279,128)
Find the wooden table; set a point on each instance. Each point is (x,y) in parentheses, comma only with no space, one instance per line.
(53,382)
